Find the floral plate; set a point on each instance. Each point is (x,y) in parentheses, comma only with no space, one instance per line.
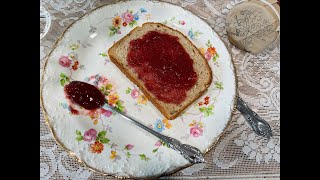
(105,142)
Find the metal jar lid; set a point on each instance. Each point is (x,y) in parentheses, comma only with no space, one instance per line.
(254,25)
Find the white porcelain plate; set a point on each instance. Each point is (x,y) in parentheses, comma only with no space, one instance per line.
(107,143)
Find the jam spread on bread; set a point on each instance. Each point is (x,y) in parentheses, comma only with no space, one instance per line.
(163,65)
(84,95)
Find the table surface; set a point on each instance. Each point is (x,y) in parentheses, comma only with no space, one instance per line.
(240,154)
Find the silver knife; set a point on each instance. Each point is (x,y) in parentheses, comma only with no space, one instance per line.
(259,125)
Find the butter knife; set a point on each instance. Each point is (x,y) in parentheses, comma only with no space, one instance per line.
(259,125)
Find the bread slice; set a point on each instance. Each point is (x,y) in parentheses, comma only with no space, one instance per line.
(118,55)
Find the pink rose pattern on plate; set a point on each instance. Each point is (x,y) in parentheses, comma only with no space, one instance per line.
(128,18)
(135,93)
(196,131)
(90,135)
(64,61)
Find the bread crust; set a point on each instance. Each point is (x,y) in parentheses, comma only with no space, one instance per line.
(141,86)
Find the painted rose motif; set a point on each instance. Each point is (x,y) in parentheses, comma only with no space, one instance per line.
(196,131)
(64,61)
(105,112)
(90,135)
(182,22)
(129,146)
(208,56)
(158,143)
(135,93)
(127,17)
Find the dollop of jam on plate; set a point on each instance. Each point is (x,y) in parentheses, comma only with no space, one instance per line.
(84,95)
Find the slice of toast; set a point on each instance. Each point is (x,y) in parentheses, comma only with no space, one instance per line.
(118,55)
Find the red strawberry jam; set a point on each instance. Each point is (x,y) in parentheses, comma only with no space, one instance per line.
(163,65)
(84,95)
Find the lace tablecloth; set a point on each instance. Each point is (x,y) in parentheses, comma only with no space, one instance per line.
(240,154)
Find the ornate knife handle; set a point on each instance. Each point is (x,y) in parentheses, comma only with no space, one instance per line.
(192,154)
(259,125)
